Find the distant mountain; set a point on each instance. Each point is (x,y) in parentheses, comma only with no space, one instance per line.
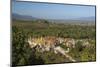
(22,17)
(92,18)
(82,20)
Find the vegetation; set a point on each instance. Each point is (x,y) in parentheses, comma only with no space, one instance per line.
(22,54)
(41,28)
(81,53)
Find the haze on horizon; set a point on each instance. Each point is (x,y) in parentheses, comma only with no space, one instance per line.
(52,11)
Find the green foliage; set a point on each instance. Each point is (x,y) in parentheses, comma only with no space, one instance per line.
(51,58)
(81,53)
(63,46)
(19,47)
(88,54)
(44,28)
(22,54)
(79,46)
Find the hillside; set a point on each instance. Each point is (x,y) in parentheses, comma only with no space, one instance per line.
(43,42)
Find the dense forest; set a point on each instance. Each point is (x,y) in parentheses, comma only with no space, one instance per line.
(22,54)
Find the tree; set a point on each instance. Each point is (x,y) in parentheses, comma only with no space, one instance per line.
(20,48)
(22,54)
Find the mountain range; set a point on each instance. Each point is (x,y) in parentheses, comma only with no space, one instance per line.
(22,17)
(26,17)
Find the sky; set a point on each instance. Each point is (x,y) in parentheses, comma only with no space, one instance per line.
(52,11)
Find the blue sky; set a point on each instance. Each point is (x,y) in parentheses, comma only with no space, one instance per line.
(52,11)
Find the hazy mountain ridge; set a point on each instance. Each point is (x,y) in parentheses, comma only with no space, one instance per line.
(22,17)
(83,20)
